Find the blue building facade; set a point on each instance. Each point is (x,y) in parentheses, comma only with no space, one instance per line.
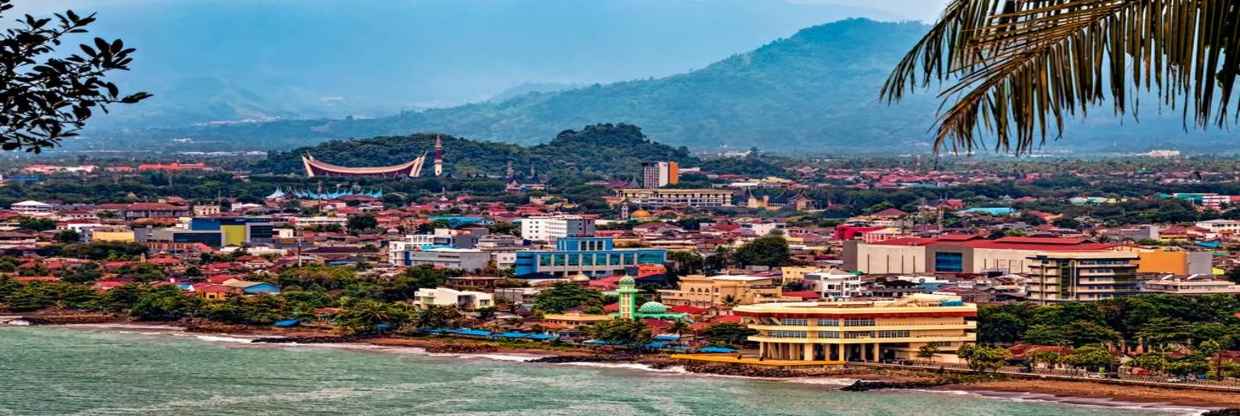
(591,256)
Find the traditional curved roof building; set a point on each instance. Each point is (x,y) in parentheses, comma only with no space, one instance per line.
(411,169)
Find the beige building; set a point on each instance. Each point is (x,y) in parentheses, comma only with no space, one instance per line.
(792,274)
(837,332)
(694,198)
(1191,285)
(1082,277)
(723,291)
(960,254)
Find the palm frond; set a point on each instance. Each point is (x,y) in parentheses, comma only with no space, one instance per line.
(1020,66)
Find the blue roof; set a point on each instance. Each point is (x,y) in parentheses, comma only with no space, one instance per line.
(716,350)
(287,323)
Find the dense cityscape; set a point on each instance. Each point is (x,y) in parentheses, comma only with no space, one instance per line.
(620,207)
(1120,268)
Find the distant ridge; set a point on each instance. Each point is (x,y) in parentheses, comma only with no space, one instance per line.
(814,91)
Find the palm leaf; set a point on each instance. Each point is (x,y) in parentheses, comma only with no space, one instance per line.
(1019,66)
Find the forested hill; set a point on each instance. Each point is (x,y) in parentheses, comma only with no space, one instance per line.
(816,91)
(602,150)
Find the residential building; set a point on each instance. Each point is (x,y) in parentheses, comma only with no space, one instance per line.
(689,198)
(838,332)
(557,227)
(469,260)
(659,174)
(32,208)
(1082,277)
(723,291)
(836,285)
(154,210)
(590,256)
(1220,226)
(1190,285)
(460,299)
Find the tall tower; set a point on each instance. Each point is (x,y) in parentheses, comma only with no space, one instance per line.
(438,156)
(509,174)
(628,297)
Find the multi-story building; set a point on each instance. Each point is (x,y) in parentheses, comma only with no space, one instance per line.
(32,208)
(1082,277)
(1179,263)
(590,256)
(660,174)
(237,231)
(960,254)
(556,227)
(154,210)
(1220,226)
(689,198)
(469,260)
(723,291)
(1191,285)
(836,285)
(460,299)
(837,332)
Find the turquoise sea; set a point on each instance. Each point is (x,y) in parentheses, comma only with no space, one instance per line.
(93,371)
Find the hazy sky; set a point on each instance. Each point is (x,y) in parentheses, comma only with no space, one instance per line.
(391,54)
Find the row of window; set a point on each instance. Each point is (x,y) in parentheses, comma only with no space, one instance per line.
(599,259)
(819,322)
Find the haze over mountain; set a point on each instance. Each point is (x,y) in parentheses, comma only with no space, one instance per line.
(282,59)
(814,91)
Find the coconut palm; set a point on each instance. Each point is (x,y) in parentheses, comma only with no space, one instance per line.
(1017,66)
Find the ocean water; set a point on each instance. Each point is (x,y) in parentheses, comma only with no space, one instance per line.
(82,371)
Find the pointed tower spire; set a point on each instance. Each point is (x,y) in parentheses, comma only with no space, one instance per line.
(438,156)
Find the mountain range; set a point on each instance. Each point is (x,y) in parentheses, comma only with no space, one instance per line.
(816,90)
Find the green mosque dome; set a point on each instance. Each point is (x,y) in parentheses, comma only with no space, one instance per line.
(652,308)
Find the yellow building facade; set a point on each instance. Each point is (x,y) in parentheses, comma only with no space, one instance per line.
(723,291)
(837,332)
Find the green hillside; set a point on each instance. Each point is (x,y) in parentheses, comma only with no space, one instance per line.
(603,150)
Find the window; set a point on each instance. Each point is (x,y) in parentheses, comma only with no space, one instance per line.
(630,258)
(796,322)
(574,260)
(544,260)
(949,262)
(859,322)
(893,334)
(828,322)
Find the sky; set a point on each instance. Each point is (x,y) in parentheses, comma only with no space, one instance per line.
(369,57)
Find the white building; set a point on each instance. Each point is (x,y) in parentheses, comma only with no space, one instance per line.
(460,299)
(469,260)
(1191,285)
(1221,227)
(555,227)
(320,221)
(34,208)
(836,285)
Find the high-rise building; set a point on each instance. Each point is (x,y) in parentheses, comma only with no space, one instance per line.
(1082,277)
(557,227)
(660,174)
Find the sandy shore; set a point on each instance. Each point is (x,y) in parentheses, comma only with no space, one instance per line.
(1098,393)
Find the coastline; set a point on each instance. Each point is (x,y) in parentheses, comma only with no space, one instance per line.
(1051,391)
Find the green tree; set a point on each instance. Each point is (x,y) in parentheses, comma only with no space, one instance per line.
(35,224)
(1151,361)
(624,332)
(565,296)
(164,303)
(68,236)
(365,316)
(1050,358)
(82,274)
(770,251)
(729,334)
(47,93)
(430,317)
(928,351)
(982,358)
(360,223)
(1090,357)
